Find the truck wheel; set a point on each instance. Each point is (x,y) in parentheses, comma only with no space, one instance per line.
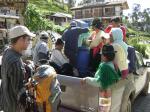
(145,90)
(129,107)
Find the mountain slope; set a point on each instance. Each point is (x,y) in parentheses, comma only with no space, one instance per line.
(48,6)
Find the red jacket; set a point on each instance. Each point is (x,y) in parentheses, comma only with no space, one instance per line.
(108,29)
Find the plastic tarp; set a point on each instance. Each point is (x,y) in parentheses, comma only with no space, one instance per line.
(82,39)
(81,23)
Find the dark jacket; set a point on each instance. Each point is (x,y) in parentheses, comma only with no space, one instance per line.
(71,37)
(12,72)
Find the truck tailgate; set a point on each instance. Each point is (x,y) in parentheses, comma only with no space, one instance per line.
(76,96)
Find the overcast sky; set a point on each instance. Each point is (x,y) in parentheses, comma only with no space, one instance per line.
(144,4)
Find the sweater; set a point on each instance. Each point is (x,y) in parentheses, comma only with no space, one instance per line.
(105,76)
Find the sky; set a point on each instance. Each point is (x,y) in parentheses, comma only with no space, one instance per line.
(144,4)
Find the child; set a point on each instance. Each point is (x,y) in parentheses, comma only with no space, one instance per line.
(107,73)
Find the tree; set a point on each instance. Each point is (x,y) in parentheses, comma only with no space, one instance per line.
(136,12)
(146,19)
(141,19)
(71,3)
(34,20)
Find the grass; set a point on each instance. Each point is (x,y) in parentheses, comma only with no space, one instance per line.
(49,6)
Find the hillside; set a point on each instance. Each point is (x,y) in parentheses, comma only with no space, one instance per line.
(49,6)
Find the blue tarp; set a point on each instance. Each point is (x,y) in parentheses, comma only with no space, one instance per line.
(81,23)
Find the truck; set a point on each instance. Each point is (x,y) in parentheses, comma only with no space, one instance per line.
(86,98)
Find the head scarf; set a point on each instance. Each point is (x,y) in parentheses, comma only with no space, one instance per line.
(117,35)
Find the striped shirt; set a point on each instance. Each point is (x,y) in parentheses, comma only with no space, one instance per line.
(12,79)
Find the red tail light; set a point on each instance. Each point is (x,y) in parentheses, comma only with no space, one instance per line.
(104,101)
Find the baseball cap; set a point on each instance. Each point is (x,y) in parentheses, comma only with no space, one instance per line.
(20,30)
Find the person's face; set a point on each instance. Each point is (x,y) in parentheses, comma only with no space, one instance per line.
(105,41)
(24,42)
(104,59)
(60,47)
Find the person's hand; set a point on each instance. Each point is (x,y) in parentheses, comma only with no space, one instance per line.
(83,81)
(88,42)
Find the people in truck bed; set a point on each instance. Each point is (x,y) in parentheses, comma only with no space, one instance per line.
(59,61)
(107,73)
(57,56)
(96,43)
(70,37)
(115,23)
(121,48)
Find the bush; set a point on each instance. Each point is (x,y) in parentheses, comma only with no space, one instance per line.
(60,29)
(139,46)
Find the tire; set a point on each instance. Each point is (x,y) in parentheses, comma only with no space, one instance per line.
(129,106)
(145,90)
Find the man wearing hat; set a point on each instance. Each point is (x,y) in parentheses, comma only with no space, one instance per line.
(13,71)
(71,37)
(107,73)
(41,50)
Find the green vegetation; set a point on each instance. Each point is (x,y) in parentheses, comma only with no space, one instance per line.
(140,40)
(34,20)
(35,15)
(139,31)
(49,6)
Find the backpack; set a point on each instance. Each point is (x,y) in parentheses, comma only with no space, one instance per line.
(47,89)
(132,59)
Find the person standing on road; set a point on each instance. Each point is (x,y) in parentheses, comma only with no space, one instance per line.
(71,37)
(41,50)
(13,70)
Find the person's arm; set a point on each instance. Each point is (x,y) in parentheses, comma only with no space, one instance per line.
(59,57)
(92,81)
(103,78)
(124,33)
(16,76)
(108,29)
(95,42)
